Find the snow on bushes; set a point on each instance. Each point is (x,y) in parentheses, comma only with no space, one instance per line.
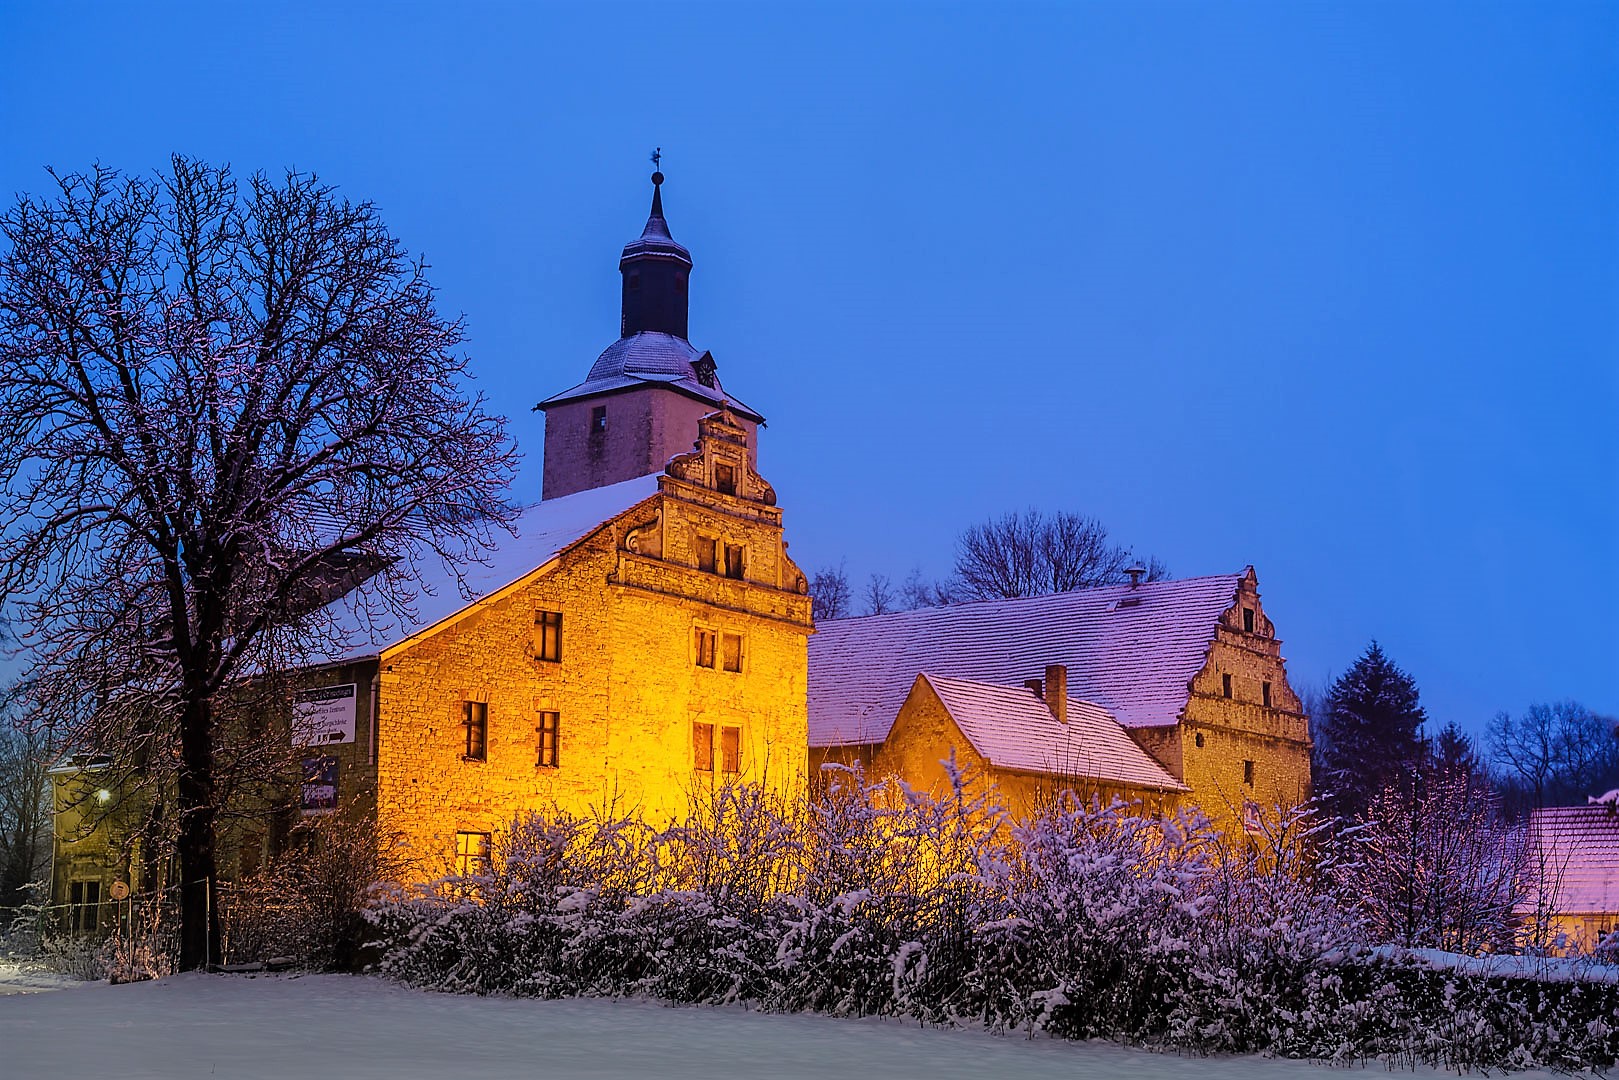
(1080,921)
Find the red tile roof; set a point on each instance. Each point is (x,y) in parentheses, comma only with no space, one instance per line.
(1134,659)
(1576,850)
(1014,729)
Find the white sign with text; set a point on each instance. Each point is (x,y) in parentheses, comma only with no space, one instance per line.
(323,714)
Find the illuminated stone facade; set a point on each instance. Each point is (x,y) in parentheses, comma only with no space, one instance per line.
(678,659)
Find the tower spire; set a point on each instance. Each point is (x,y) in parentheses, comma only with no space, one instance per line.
(657,184)
(655,270)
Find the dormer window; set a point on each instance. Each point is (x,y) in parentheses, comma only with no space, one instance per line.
(725,479)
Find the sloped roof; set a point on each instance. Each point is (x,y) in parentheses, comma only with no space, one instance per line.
(543,531)
(1576,850)
(1135,661)
(1014,729)
(650,357)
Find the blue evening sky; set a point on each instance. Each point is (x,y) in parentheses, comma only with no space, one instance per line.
(1332,289)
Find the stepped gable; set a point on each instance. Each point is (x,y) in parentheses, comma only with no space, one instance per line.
(1014,729)
(1131,650)
(1580,848)
(544,531)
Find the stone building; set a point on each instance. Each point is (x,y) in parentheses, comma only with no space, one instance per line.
(1156,693)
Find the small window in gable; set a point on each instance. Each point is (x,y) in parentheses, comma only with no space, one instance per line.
(548,636)
(733,561)
(1225,685)
(707,554)
(724,479)
(1248,619)
(475,718)
(731,654)
(1264,693)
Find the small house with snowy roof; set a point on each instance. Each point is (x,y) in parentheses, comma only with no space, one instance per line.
(1573,855)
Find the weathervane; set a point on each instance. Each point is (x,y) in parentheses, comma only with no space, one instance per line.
(657,156)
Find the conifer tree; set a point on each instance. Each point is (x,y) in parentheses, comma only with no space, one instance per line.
(1372,723)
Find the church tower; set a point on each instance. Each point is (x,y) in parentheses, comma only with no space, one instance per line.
(639,405)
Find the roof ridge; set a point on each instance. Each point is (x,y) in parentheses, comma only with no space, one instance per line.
(1039,596)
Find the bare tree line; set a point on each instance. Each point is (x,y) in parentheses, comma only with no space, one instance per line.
(1021,553)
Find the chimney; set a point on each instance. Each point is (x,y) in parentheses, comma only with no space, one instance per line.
(1057,691)
(1136,573)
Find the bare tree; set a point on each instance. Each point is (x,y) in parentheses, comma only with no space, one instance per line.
(1553,754)
(919,592)
(829,593)
(25,809)
(1031,553)
(218,406)
(880,598)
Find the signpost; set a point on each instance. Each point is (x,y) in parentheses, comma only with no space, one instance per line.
(323,714)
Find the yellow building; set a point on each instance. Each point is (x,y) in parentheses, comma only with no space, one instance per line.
(1158,693)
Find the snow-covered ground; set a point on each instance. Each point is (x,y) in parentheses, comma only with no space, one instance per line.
(25,977)
(355,1028)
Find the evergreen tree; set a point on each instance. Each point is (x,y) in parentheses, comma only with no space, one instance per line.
(1371,726)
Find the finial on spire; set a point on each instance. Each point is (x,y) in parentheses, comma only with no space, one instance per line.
(657,183)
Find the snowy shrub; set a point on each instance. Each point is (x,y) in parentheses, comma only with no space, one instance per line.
(1082,921)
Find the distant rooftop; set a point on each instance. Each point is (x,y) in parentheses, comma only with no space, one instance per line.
(1134,659)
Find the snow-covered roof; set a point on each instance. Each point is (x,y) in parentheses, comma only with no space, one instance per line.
(1574,850)
(650,357)
(1014,729)
(1132,651)
(543,531)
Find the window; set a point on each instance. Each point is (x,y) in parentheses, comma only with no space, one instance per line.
(598,420)
(475,718)
(1198,739)
(1248,619)
(1225,685)
(733,561)
(730,750)
(707,554)
(702,747)
(1248,773)
(549,729)
(84,906)
(548,636)
(731,654)
(471,853)
(725,479)
(705,647)
(1264,693)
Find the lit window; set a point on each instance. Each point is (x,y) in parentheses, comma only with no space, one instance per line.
(471,853)
(707,554)
(733,561)
(730,750)
(705,647)
(1248,773)
(724,479)
(475,718)
(1225,685)
(1264,693)
(548,636)
(550,727)
(702,747)
(731,655)
(1248,619)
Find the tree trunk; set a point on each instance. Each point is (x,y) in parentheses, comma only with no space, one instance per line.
(199,913)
